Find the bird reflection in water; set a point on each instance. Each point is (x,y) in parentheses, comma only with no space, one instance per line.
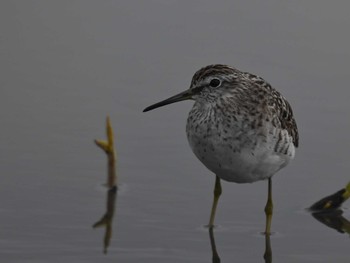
(107,220)
(215,255)
(328,211)
(268,250)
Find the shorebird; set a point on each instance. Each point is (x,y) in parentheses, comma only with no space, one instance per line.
(239,127)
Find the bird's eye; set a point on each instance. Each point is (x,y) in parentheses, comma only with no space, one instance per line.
(215,83)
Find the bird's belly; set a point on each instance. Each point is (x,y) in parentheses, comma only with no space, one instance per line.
(243,167)
(238,160)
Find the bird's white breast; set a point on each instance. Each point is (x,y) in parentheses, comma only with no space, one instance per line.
(237,153)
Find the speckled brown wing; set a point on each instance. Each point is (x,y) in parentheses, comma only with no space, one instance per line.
(288,122)
(278,105)
(284,114)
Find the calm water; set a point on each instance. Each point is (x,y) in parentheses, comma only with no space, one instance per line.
(66,65)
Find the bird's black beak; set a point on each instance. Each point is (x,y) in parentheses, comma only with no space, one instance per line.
(186,95)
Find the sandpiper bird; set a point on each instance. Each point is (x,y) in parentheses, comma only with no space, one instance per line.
(240,128)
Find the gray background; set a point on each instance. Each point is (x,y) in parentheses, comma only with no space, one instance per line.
(65,65)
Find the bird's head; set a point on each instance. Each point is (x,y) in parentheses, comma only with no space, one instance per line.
(208,84)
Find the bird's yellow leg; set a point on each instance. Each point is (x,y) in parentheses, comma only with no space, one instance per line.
(217,193)
(269,208)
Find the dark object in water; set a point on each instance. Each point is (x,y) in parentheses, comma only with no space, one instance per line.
(333,201)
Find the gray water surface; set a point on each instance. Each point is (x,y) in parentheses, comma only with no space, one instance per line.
(66,65)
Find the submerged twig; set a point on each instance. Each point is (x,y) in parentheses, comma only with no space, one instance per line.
(108,148)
